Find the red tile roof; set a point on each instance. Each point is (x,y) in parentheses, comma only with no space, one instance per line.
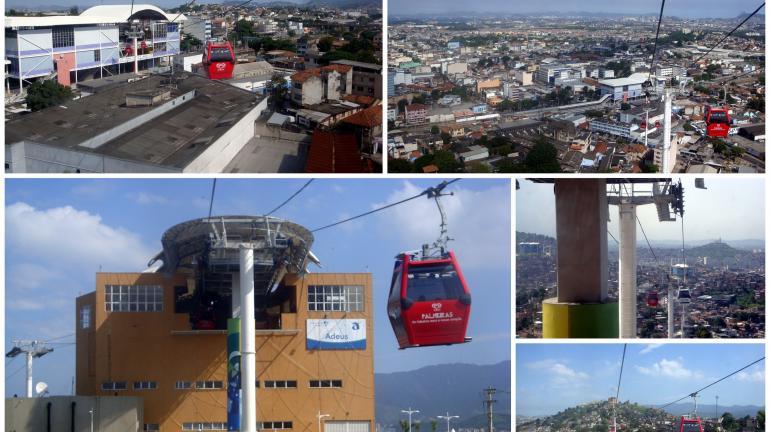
(368,118)
(305,74)
(334,153)
(360,99)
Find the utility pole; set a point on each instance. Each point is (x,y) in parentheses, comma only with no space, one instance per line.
(448,417)
(32,349)
(489,402)
(410,411)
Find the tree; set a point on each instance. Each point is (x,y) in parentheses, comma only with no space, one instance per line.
(419,99)
(190,43)
(43,94)
(434,423)
(404,425)
(760,419)
(434,130)
(625,106)
(400,166)
(277,92)
(542,157)
(74,11)
(325,44)
(446,162)
(446,137)
(402,105)
(757,103)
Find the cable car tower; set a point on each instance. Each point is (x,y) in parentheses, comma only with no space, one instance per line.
(627,195)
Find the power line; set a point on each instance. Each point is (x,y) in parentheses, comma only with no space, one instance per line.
(59,337)
(728,34)
(290,198)
(430,190)
(646,239)
(719,380)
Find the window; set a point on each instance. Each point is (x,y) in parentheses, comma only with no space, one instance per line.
(275,425)
(160,46)
(325,383)
(133,298)
(433,282)
(280,384)
(335,298)
(85,317)
(63,36)
(97,55)
(209,385)
(113,385)
(151,427)
(196,426)
(183,385)
(145,385)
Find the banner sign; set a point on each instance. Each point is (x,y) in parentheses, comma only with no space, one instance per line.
(234,374)
(343,334)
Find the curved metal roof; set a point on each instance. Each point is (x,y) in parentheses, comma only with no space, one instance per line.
(186,243)
(126,12)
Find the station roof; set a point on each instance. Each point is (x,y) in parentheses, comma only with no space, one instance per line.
(103,14)
(173,139)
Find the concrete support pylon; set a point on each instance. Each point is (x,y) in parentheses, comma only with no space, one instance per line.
(248,343)
(580,309)
(627,270)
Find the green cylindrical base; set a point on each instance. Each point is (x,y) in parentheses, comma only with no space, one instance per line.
(576,320)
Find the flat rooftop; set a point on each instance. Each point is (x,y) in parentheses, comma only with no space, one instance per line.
(174,138)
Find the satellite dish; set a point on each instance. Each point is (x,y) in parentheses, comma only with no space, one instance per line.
(41,389)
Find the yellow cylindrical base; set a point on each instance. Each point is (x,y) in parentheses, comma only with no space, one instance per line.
(576,320)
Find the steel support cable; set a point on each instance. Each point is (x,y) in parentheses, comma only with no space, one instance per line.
(290,198)
(430,190)
(715,382)
(728,34)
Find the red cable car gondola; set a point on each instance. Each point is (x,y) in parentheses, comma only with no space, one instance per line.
(652,299)
(429,301)
(717,122)
(219,60)
(688,424)
(657,124)
(643,125)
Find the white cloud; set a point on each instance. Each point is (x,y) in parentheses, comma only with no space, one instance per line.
(649,348)
(146,198)
(560,373)
(669,369)
(63,239)
(756,376)
(478,221)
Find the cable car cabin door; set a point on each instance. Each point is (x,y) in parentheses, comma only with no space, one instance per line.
(434,302)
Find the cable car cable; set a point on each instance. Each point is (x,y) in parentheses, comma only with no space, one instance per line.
(430,191)
(657,33)
(290,198)
(211,201)
(715,382)
(622,362)
(728,34)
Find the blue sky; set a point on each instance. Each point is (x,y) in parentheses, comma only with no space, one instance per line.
(682,8)
(730,209)
(60,232)
(552,377)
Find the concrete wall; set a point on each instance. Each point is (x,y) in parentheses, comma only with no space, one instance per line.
(222,151)
(140,346)
(312,91)
(31,157)
(111,414)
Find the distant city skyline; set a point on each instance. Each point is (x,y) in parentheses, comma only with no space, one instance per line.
(729,209)
(165,4)
(682,8)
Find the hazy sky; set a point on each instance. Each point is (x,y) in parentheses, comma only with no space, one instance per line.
(682,8)
(552,377)
(731,209)
(60,232)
